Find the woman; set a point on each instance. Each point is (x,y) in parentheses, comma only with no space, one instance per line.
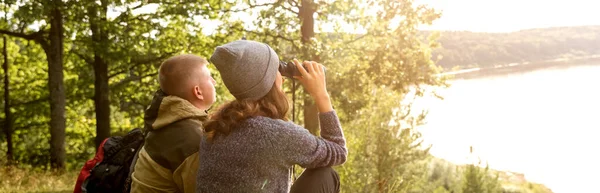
(249,146)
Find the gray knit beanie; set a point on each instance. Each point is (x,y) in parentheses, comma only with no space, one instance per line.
(248,68)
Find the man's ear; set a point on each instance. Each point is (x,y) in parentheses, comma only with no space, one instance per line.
(198,93)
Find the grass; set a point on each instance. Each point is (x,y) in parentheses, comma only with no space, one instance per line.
(15,179)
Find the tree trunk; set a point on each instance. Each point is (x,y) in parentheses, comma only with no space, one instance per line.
(54,54)
(311,118)
(101,101)
(8,117)
(101,90)
(53,47)
(308,22)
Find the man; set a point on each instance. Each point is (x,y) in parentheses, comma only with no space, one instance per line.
(168,161)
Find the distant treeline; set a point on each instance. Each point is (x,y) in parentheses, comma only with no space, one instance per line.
(461,49)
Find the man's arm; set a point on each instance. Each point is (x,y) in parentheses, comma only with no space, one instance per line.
(185,175)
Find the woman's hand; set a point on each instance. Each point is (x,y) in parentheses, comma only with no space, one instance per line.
(313,80)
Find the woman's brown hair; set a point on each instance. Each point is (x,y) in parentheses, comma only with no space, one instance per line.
(273,105)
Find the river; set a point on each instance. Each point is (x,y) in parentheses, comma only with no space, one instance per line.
(542,123)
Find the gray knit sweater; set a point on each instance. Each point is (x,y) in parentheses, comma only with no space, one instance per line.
(258,155)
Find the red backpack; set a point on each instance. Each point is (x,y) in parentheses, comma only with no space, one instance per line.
(87,167)
(111,168)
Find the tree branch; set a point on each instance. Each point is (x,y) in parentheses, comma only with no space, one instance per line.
(30,125)
(249,7)
(120,17)
(43,99)
(356,39)
(88,60)
(138,6)
(31,36)
(131,79)
(265,34)
(289,9)
(146,59)
(138,17)
(278,36)
(22,25)
(137,62)
(122,71)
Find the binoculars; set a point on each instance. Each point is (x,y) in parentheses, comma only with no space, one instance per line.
(288,69)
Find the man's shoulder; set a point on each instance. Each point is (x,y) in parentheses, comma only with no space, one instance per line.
(172,144)
(184,124)
(189,129)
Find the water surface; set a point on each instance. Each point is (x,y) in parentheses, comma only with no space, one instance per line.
(543,123)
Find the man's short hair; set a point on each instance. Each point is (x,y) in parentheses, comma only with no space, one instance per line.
(179,73)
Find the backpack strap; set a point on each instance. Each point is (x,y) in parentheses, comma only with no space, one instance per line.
(150,115)
(129,179)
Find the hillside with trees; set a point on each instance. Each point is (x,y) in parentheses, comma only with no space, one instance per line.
(461,49)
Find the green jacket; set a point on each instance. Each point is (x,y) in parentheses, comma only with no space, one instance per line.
(168,161)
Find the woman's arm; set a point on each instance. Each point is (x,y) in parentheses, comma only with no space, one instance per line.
(297,146)
(330,149)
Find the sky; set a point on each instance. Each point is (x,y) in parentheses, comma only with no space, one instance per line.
(489,15)
(512,15)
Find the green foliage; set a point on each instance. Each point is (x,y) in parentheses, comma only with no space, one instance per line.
(386,153)
(478,180)
(138,42)
(28,101)
(442,177)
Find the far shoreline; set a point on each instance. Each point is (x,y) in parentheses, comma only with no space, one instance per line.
(518,68)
